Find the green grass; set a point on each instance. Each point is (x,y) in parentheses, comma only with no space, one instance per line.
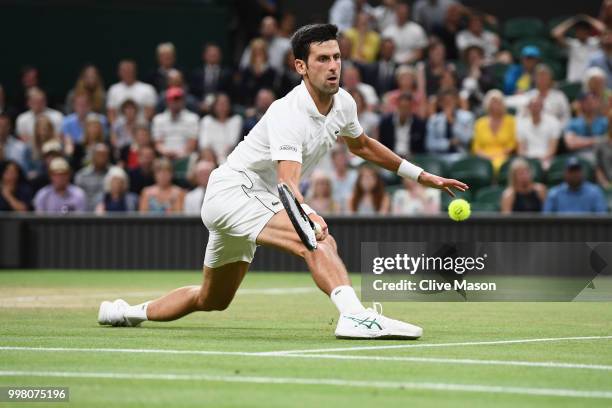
(58,309)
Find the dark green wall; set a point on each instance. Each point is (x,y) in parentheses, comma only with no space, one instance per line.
(59,37)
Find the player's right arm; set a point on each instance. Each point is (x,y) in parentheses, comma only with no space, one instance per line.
(289,172)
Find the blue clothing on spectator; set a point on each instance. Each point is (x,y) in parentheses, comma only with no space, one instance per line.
(440,132)
(601,60)
(73,127)
(511,77)
(579,126)
(588,198)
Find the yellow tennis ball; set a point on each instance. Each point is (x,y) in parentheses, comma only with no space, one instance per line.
(459,209)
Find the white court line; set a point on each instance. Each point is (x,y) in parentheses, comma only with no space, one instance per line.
(478,388)
(437,360)
(251,291)
(420,345)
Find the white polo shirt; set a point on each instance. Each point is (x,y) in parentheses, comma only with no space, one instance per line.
(537,137)
(293,129)
(408,38)
(175,132)
(143,94)
(27,120)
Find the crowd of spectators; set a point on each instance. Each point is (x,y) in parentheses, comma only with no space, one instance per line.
(435,81)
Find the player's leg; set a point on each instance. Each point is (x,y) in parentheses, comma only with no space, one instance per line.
(216,293)
(325,265)
(331,276)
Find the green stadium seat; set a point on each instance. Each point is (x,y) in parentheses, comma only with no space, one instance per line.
(180,168)
(536,171)
(522,27)
(570,89)
(478,206)
(608,193)
(446,199)
(489,198)
(557,68)
(555,173)
(430,163)
(476,172)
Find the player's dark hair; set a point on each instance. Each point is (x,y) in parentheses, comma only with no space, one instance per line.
(312,33)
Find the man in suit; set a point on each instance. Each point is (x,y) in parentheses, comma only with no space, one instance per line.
(381,74)
(211,77)
(401,131)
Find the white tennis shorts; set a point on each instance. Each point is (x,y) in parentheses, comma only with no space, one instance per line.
(236,208)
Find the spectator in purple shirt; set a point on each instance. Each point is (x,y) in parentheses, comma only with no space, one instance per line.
(60,196)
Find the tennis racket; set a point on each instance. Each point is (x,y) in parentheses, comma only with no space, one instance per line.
(302,224)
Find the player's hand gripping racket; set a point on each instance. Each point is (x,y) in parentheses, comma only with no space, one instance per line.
(302,224)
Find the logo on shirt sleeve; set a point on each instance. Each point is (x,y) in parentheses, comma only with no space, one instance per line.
(289,148)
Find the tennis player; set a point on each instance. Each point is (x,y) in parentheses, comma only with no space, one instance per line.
(241,208)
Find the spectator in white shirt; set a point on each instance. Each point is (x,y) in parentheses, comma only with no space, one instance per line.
(415,199)
(580,48)
(342,14)
(538,133)
(37,102)
(477,35)
(175,131)
(195,198)
(220,130)
(277,45)
(409,37)
(595,82)
(130,88)
(384,14)
(555,101)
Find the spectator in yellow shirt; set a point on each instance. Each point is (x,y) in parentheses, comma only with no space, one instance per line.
(495,133)
(365,41)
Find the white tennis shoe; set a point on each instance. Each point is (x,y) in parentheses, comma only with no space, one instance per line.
(113,313)
(371,324)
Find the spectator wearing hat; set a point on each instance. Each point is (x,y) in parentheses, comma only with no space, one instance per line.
(409,37)
(195,198)
(519,77)
(116,196)
(575,195)
(555,101)
(37,103)
(587,129)
(175,80)
(603,58)
(13,148)
(129,87)
(60,196)
(582,46)
(475,34)
(221,129)
(91,178)
(175,131)
(40,178)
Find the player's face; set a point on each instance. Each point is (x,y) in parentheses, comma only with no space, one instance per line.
(323,67)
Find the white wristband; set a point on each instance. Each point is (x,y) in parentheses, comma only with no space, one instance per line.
(409,170)
(307,209)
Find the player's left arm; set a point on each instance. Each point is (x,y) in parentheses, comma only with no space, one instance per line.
(373,151)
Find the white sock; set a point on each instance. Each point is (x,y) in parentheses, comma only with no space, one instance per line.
(137,313)
(346,300)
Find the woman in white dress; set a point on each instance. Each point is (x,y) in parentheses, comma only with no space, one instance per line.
(220,130)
